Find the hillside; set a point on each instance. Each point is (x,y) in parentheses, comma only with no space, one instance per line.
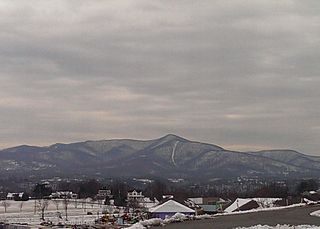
(169,157)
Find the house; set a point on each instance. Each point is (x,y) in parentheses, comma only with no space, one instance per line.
(135,195)
(20,196)
(169,208)
(137,199)
(242,205)
(64,195)
(10,196)
(207,200)
(207,205)
(311,196)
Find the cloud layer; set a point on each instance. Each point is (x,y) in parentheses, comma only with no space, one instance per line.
(241,74)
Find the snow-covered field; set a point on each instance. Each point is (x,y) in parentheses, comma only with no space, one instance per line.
(27,213)
(280,227)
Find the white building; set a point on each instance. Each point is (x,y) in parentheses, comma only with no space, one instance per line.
(135,195)
(63,195)
(169,208)
(14,195)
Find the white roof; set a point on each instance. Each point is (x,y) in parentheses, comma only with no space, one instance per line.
(238,203)
(171,206)
(12,194)
(262,202)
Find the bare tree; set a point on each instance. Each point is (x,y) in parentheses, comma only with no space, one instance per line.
(5,204)
(56,202)
(42,205)
(21,205)
(35,207)
(99,202)
(92,202)
(66,202)
(75,202)
(84,205)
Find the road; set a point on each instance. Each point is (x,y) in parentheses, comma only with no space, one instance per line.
(291,216)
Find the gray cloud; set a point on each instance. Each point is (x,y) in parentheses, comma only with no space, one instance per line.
(241,74)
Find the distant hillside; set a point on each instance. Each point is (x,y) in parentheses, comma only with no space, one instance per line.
(168,157)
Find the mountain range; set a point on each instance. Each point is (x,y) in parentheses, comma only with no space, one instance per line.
(170,156)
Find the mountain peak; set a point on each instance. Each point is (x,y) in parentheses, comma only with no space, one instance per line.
(22,148)
(170,137)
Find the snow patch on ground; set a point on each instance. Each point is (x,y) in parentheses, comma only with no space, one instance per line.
(136,226)
(205,216)
(178,217)
(280,227)
(262,209)
(316,213)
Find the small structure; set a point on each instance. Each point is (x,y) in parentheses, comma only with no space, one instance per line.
(64,195)
(312,196)
(208,200)
(10,195)
(242,205)
(169,208)
(209,209)
(207,205)
(18,196)
(167,196)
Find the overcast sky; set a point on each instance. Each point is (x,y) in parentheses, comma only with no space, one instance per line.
(240,74)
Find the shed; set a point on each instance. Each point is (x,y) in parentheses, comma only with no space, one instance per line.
(211,209)
(242,205)
(169,208)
